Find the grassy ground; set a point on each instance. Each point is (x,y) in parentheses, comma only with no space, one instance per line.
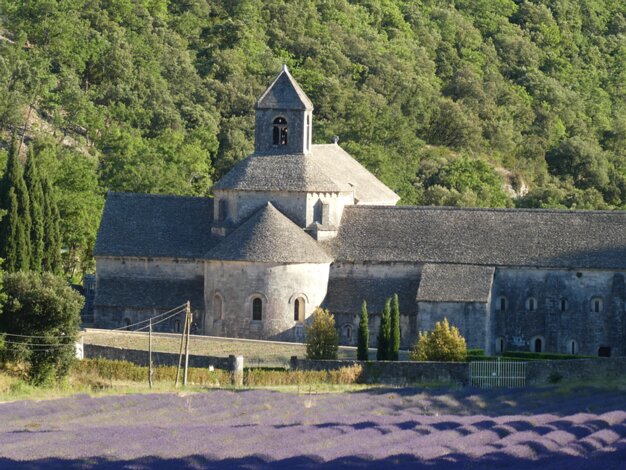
(254,352)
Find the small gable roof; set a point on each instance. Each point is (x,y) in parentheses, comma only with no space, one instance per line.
(455,283)
(269,236)
(147,225)
(488,237)
(284,93)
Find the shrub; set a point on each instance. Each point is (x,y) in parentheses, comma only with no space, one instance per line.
(46,310)
(394,344)
(322,339)
(444,343)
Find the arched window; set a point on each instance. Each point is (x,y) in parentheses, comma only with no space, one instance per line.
(502,304)
(596,305)
(536,344)
(257,309)
(500,345)
(279,131)
(563,305)
(218,307)
(572,347)
(298,309)
(222,210)
(531,304)
(127,323)
(347,332)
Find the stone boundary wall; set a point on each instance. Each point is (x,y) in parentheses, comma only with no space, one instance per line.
(540,372)
(140,357)
(395,373)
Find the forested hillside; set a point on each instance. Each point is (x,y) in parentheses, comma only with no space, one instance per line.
(456,102)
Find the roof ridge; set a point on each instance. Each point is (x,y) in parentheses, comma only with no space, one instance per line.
(488,209)
(151,195)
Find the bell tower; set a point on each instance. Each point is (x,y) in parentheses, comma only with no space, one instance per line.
(284,118)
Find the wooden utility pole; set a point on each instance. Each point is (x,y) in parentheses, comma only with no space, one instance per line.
(188,322)
(180,354)
(150,354)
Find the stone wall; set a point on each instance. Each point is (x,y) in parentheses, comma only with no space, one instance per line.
(540,372)
(563,310)
(159,268)
(471,318)
(242,204)
(278,285)
(139,357)
(396,373)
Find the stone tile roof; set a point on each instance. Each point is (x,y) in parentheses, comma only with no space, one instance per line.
(149,293)
(295,172)
(269,236)
(347,171)
(328,168)
(284,93)
(455,283)
(155,226)
(492,237)
(346,294)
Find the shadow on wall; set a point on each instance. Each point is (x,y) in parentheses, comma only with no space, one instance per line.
(609,460)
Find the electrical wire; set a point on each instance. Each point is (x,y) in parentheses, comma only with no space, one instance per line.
(160,321)
(180,309)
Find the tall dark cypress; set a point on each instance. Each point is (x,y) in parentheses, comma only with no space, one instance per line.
(12,231)
(35,191)
(15,245)
(394,344)
(384,333)
(52,235)
(364,335)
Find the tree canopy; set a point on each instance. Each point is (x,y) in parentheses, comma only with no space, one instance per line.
(464,102)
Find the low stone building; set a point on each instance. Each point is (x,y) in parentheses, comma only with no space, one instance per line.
(297,225)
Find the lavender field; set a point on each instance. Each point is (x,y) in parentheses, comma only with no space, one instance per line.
(404,428)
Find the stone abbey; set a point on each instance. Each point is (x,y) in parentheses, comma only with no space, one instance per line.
(297,225)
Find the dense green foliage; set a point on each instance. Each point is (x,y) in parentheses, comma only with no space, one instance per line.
(363,338)
(29,230)
(322,339)
(444,343)
(383,352)
(46,312)
(394,344)
(462,102)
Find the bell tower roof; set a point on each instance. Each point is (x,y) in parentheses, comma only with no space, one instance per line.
(284,93)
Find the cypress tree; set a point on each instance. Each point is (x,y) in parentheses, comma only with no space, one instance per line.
(35,191)
(15,244)
(12,231)
(52,235)
(384,333)
(364,335)
(395,329)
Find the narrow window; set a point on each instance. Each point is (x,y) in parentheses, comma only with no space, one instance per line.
(502,304)
(572,347)
(500,345)
(257,309)
(531,304)
(298,310)
(127,323)
(308,131)
(596,305)
(279,131)
(218,306)
(177,326)
(347,332)
(563,305)
(538,345)
(222,210)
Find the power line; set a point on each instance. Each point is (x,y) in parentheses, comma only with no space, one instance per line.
(179,310)
(160,321)
(39,344)
(35,336)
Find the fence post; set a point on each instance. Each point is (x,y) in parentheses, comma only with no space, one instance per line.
(235,367)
